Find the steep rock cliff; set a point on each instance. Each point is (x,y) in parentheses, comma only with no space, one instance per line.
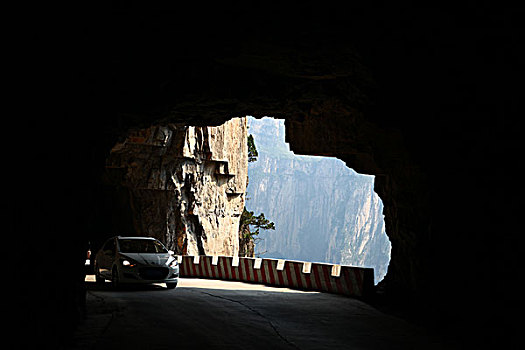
(185,184)
(323,210)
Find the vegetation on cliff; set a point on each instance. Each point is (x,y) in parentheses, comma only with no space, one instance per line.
(250,224)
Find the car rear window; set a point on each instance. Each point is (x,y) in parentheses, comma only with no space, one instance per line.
(141,246)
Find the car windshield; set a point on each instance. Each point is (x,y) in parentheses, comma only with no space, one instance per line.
(141,246)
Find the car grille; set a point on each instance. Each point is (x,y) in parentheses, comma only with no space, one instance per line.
(153,273)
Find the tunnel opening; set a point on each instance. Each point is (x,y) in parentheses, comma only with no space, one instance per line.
(187,186)
(323,210)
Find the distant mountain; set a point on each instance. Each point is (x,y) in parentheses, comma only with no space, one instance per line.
(323,211)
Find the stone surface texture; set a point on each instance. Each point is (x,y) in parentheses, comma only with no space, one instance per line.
(186,184)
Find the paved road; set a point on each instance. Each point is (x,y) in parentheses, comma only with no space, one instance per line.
(207,314)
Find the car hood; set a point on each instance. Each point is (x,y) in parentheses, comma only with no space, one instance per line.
(148,258)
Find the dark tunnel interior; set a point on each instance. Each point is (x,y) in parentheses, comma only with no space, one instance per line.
(424,98)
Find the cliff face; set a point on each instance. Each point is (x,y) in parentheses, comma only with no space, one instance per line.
(185,184)
(323,211)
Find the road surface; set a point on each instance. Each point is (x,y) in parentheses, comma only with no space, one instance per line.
(210,314)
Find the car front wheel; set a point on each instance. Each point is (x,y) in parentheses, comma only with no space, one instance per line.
(98,277)
(114,278)
(171,285)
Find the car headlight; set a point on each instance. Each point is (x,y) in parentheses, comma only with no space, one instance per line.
(174,263)
(127,263)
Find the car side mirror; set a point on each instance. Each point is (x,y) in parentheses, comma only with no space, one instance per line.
(171,252)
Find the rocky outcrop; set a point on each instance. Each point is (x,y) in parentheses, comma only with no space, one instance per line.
(323,210)
(186,184)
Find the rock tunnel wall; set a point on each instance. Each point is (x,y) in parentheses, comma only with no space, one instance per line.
(186,185)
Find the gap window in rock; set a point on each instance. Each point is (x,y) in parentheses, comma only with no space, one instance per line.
(323,210)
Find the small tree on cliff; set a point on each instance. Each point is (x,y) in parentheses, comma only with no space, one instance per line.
(252,150)
(259,221)
(247,235)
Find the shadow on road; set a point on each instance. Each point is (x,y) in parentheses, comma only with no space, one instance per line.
(203,314)
(107,286)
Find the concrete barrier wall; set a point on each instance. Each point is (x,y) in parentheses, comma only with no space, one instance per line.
(340,279)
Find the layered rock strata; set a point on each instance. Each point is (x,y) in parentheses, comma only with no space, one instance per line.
(186,184)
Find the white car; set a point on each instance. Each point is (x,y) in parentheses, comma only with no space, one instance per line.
(136,260)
